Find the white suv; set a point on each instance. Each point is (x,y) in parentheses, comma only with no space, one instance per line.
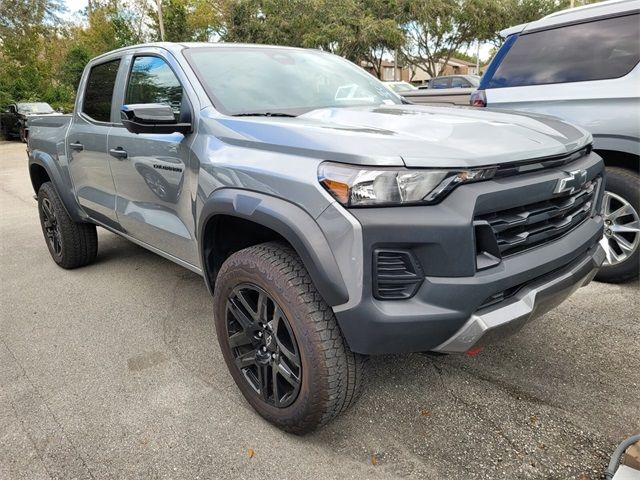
(582,65)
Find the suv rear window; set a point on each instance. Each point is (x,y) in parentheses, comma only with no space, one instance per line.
(595,50)
(99,91)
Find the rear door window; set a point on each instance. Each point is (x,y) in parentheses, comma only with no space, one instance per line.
(98,93)
(459,82)
(440,83)
(596,50)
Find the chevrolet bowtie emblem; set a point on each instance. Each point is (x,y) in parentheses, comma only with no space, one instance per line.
(572,182)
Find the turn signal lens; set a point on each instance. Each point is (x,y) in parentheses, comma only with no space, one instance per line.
(338,189)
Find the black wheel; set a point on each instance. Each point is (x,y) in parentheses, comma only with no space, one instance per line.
(281,341)
(621,240)
(71,244)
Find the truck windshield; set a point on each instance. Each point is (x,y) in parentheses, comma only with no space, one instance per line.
(277,81)
(35,108)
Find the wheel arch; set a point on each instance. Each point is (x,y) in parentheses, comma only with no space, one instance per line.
(43,169)
(621,159)
(233,219)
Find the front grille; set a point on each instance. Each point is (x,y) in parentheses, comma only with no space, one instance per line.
(520,228)
(396,274)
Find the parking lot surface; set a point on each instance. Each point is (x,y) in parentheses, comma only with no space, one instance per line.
(113,371)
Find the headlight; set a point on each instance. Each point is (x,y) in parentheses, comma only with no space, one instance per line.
(356,186)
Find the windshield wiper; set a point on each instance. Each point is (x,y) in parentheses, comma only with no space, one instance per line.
(264,114)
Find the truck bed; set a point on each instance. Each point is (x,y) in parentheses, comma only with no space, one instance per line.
(47,132)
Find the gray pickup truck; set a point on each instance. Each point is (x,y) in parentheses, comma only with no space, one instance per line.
(330,220)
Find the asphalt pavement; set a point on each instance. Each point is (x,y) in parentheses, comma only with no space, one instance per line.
(113,371)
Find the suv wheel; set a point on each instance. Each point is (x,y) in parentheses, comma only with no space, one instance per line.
(281,342)
(621,240)
(71,244)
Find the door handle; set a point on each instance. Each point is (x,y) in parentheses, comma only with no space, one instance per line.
(76,146)
(119,153)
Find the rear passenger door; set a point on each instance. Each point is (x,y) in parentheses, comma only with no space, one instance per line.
(151,171)
(87,143)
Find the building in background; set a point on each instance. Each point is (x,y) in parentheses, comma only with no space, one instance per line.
(417,75)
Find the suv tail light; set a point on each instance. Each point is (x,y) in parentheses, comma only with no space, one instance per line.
(478,99)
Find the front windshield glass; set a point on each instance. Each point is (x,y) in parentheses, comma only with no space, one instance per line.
(35,108)
(254,80)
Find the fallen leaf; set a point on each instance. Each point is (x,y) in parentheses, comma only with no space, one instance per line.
(250,453)
(533,419)
(584,476)
(374,460)
(425,413)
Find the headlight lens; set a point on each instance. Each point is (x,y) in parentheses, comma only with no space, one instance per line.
(356,186)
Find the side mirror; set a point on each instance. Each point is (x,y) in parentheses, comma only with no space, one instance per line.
(151,118)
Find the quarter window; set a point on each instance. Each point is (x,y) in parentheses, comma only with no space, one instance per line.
(152,81)
(98,93)
(595,50)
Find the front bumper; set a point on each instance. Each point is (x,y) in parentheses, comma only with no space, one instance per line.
(452,309)
(531,302)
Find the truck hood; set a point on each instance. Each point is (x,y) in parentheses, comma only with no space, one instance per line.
(411,135)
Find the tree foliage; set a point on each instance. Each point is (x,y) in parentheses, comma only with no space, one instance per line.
(42,55)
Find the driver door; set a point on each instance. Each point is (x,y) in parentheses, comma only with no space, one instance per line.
(151,171)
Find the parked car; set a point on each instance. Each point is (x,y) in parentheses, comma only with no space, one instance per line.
(452,90)
(446,96)
(452,81)
(330,220)
(582,65)
(400,87)
(13,120)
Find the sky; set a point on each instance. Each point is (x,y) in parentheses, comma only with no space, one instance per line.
(73,6)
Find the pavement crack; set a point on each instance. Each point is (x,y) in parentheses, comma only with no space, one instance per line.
(49,410)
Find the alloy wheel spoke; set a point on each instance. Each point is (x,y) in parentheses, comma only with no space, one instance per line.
(286,373)
(246,359)
(240,339)
(606,204)
(240,296)
(276,389)
(263,377)
(621,212)
(238,313)
(622,242)
(631,227)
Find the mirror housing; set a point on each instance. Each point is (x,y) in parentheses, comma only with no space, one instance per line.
(152,118)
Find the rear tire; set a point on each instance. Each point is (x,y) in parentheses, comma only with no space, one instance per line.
(621,240)
(71,244)
(330,376)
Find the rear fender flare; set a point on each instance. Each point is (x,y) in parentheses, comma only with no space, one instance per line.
(63,186)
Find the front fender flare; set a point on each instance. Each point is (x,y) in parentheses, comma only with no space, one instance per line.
(288,220)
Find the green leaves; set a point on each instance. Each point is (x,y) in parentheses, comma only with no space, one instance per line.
(42,56)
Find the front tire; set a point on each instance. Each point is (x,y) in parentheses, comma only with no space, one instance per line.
(71,244)
(621,240)
(281,341)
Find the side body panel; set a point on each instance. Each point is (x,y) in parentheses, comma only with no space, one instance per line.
(47,149)
(609,109)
